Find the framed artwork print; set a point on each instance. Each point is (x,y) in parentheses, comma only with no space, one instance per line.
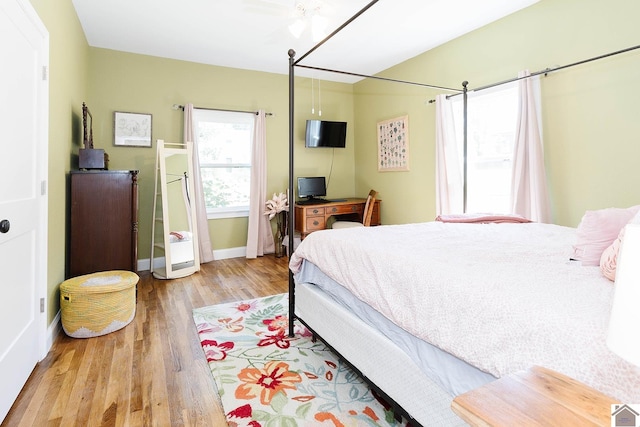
(131,129)
(393,144)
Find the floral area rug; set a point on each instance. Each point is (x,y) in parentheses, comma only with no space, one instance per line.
(266,379)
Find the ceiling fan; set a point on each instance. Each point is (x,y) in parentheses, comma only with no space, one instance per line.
(302,14)
(310,13)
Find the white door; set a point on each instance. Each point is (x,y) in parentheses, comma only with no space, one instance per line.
(24,46)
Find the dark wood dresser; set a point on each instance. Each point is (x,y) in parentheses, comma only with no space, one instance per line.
(104,221)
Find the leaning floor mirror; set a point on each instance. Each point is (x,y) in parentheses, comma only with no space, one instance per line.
(174,246)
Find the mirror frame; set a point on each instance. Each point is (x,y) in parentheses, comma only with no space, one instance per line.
(168,269)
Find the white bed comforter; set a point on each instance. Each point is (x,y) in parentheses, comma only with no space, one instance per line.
(502,297)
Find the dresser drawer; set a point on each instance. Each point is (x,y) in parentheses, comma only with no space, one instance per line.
(315,223)
(344,209)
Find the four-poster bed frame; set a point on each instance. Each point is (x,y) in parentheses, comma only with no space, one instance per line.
(398,410)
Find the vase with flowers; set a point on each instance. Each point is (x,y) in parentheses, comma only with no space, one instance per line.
(277,207)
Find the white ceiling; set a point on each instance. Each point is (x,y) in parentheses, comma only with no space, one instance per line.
(254,35)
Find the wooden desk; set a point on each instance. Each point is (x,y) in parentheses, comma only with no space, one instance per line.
(309,218)
(535,397)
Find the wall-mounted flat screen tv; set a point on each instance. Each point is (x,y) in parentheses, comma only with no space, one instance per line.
(323,133)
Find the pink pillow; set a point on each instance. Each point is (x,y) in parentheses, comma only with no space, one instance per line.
(597,230)
(609,259)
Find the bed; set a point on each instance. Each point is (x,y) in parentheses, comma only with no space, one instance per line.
(425,312)
(181,247)
(447,307)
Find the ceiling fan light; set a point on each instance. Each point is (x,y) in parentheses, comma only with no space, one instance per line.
(318,28)
(297,28)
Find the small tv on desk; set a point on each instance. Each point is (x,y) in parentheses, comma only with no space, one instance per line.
(311,190)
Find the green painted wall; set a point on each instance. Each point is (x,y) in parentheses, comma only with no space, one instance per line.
(68,72)
(590,113)
(121,81)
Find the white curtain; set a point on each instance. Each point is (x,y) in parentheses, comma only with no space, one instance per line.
(529,194)
(202,224)
(259,235)
(448,173)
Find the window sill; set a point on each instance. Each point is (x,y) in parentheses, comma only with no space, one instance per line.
(243,213)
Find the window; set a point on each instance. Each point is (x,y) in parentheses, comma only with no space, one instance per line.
(224,142)
(491,127)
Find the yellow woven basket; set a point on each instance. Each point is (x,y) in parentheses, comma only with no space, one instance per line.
(98,303)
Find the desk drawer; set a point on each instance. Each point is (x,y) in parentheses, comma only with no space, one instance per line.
(315,223)
(314,211)
(345,209)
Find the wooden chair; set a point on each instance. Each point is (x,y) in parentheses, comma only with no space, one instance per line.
(366,215)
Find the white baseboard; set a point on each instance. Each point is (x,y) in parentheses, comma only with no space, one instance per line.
(53,330)
(239,252)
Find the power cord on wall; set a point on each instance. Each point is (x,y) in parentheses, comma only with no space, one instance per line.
(333,153)
(313,100)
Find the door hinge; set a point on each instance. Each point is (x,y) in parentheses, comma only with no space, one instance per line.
(41,305)
(44,72)
(43,188)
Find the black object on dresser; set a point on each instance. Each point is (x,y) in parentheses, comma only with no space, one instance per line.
(104,221)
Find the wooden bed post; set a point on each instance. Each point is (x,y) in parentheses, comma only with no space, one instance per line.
(291,197)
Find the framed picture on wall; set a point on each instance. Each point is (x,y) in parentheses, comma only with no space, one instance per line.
(131,129)
(393,144)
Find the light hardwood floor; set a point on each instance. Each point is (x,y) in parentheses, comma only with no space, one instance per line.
(153,371)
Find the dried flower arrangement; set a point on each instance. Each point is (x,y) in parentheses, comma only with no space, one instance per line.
(277,207)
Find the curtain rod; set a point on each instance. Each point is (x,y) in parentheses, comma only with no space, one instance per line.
(181,107)
(546,71)
(377,77)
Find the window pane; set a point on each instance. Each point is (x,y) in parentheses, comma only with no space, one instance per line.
(224,149)
(489,186)
(491,125)
(224,142)
(226,187)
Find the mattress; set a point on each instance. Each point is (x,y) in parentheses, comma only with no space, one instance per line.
(389,369)
(451,374)
(181,245)
(182,252)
